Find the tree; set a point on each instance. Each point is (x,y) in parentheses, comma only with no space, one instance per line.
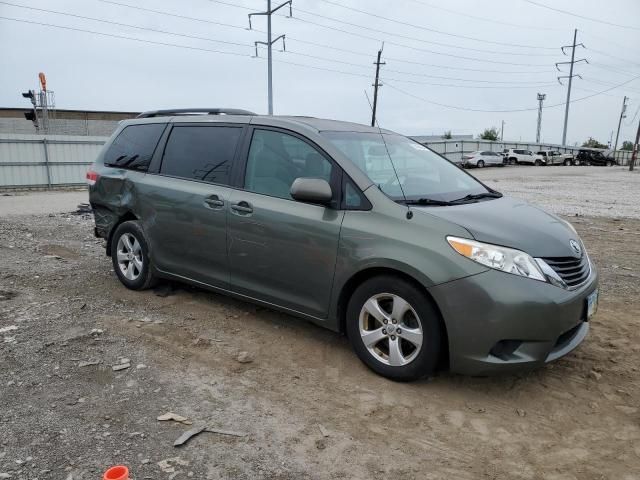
(627,145)
(490,134)
(593,143)
(447,135)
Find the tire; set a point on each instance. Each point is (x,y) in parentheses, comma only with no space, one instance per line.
(537,163)
(609,163)
(130,257)
(567,162)
(394,356)
(480,164)
(513,161)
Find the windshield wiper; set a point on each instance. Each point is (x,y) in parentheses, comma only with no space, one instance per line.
(426,201)
(477,196)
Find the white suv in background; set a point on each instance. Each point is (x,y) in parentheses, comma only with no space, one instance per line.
(515,156)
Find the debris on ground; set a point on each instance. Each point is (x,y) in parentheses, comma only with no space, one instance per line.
(88,363)
(244,357)
(520,412)
(83,208)
(174,417)
(167,467)
(186,436)
(122,366)
(323,430)
(10,328)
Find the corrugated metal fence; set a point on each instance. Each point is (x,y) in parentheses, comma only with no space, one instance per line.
(454,149)
(29,161)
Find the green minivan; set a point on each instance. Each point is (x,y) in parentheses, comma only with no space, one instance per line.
(355,228)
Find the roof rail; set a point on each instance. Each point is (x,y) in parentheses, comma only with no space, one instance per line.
(196,111)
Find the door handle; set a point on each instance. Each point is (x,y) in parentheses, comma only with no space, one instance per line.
(213,201)
(242,207)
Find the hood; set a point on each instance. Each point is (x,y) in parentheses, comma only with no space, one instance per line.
(511,223)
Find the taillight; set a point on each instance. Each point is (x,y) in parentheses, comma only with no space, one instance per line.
(92,177)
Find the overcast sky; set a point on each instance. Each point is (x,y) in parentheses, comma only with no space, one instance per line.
(510,51)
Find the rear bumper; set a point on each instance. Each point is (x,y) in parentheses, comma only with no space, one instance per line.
(501,323)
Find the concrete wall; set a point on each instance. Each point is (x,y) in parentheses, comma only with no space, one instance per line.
(28,161)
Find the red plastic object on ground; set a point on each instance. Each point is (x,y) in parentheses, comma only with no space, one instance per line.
(119,472)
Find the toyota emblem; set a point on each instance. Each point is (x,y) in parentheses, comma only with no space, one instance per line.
(576,247)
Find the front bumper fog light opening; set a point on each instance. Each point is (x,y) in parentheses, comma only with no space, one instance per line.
(504,349)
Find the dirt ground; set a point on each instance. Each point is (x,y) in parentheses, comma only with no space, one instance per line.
(307,406)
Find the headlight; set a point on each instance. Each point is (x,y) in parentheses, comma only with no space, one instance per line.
(500,258)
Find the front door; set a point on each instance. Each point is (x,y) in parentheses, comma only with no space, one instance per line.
(282,251)
(185,205)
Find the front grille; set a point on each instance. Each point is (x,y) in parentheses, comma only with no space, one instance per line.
(572,270)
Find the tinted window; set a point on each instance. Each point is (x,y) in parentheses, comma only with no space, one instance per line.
(277,159)
(201,153)
(134,146)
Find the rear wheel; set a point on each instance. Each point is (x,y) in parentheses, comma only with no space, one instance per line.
(609,163)
(513,161)
(394,328)
(480,163)
(537,163)
(130,257)
(567,162)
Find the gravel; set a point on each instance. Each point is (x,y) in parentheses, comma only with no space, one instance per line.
(570,191)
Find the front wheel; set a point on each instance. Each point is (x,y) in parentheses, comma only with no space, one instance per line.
(130,257)
(609,163)
(567,162)
(480,163)
(394,328)
(513,161)
(537,163)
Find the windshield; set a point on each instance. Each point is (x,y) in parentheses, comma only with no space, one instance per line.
(422,173)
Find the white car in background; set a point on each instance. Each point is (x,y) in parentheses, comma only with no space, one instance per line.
(482,159)
(514,156)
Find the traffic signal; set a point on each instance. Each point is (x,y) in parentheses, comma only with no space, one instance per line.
(31,115)
(31,95)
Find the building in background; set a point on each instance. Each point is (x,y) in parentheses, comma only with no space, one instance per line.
(66,122)
(436,138)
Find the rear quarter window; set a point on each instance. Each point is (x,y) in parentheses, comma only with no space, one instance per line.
(134,146)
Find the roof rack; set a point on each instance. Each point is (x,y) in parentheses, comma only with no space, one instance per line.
(196,111)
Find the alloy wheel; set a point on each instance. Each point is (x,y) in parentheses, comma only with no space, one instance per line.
(390,329)
(129,254)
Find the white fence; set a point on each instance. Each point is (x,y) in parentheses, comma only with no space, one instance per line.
(30,161)
(454,149)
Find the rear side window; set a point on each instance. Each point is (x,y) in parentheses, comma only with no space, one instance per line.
(202,153)
(134,146)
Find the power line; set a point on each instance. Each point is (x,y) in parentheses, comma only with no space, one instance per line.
(581,16)
(484,19)
(168,44)
(401,45)
(165,32)
(245,45)
(456,107)
(422,27)
(339,49)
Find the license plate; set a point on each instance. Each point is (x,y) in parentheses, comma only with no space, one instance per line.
(592,303)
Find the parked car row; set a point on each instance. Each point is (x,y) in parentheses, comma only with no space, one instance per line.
(518,156)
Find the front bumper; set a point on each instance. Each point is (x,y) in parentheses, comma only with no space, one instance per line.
(500,323)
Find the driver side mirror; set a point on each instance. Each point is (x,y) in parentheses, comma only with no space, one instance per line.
(311,190)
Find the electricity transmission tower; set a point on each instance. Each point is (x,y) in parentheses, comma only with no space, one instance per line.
(570,77)
(541,97)
(622,115)
(269,43)
(376,84)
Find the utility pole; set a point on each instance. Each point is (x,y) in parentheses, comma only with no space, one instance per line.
(376,84)
(634,155)
(541,97)
(269,43)
(570,77)
(622,115)
(502,132)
